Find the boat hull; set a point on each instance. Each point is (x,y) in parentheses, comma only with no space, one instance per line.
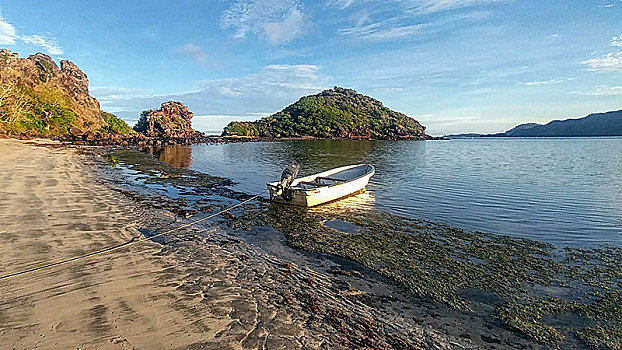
(306,196)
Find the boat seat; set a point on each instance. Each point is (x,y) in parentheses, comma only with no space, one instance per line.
(330,179)
(318,183)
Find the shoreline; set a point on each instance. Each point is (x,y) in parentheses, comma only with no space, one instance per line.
(256,264)
(140,141)
(500,280)
(198,289)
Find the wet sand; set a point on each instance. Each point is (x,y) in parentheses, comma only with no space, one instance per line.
(201,289)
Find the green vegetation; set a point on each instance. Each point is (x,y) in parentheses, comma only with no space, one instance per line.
(243,129)
(335,113)
(115,124)
(45,113)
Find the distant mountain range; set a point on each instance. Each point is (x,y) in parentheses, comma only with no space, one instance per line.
(597,124)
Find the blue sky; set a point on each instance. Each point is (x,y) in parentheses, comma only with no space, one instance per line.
(454,65)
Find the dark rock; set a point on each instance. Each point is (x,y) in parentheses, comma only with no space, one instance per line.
(338,271)
(490,339)
(75,132)
(465,335)
(88,136)
(65,138)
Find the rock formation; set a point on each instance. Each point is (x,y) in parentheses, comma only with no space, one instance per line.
(335,113)
(41,97)
(171,120)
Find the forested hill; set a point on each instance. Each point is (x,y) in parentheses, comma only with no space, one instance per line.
(596,124)
(334,113)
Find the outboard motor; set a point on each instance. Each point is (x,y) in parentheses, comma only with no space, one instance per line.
(288,176)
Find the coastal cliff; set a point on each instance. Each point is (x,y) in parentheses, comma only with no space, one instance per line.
(39,97)
(334,113)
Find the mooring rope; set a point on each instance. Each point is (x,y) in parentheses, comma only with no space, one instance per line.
(132,241)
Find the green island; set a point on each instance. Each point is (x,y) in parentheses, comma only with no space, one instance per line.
(334,113)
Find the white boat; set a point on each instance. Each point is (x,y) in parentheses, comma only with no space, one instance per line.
(320,188)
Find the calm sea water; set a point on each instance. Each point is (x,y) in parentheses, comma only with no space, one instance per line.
(566,191)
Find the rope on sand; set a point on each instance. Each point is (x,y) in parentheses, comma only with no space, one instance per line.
(134,240)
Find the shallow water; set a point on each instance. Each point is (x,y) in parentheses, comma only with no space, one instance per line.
(566,191)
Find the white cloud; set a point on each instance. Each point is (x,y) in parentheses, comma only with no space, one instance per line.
(276,79)
(606,91)
(381,31)
(193,52)
(265,92)
(270,18)
(611,62)
(433,6)
(389,89)
(7,32)
(111,93)
(547,82)
(340,4)
(401,25)
(8,36)
(285,31)
(360,17)
(50,45)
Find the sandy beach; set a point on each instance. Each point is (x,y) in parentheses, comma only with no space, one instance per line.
(52,208)
(205,290)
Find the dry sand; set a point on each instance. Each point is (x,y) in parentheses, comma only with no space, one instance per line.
(196,291)
(51,208)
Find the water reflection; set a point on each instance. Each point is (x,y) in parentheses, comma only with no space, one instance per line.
(177,156)
(313,155)
(565,191)
(363,200)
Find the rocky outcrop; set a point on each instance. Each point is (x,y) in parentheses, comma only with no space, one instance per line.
(336,113)
(46,99)
(172,120)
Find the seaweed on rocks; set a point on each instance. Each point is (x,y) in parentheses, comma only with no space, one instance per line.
(534,283)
